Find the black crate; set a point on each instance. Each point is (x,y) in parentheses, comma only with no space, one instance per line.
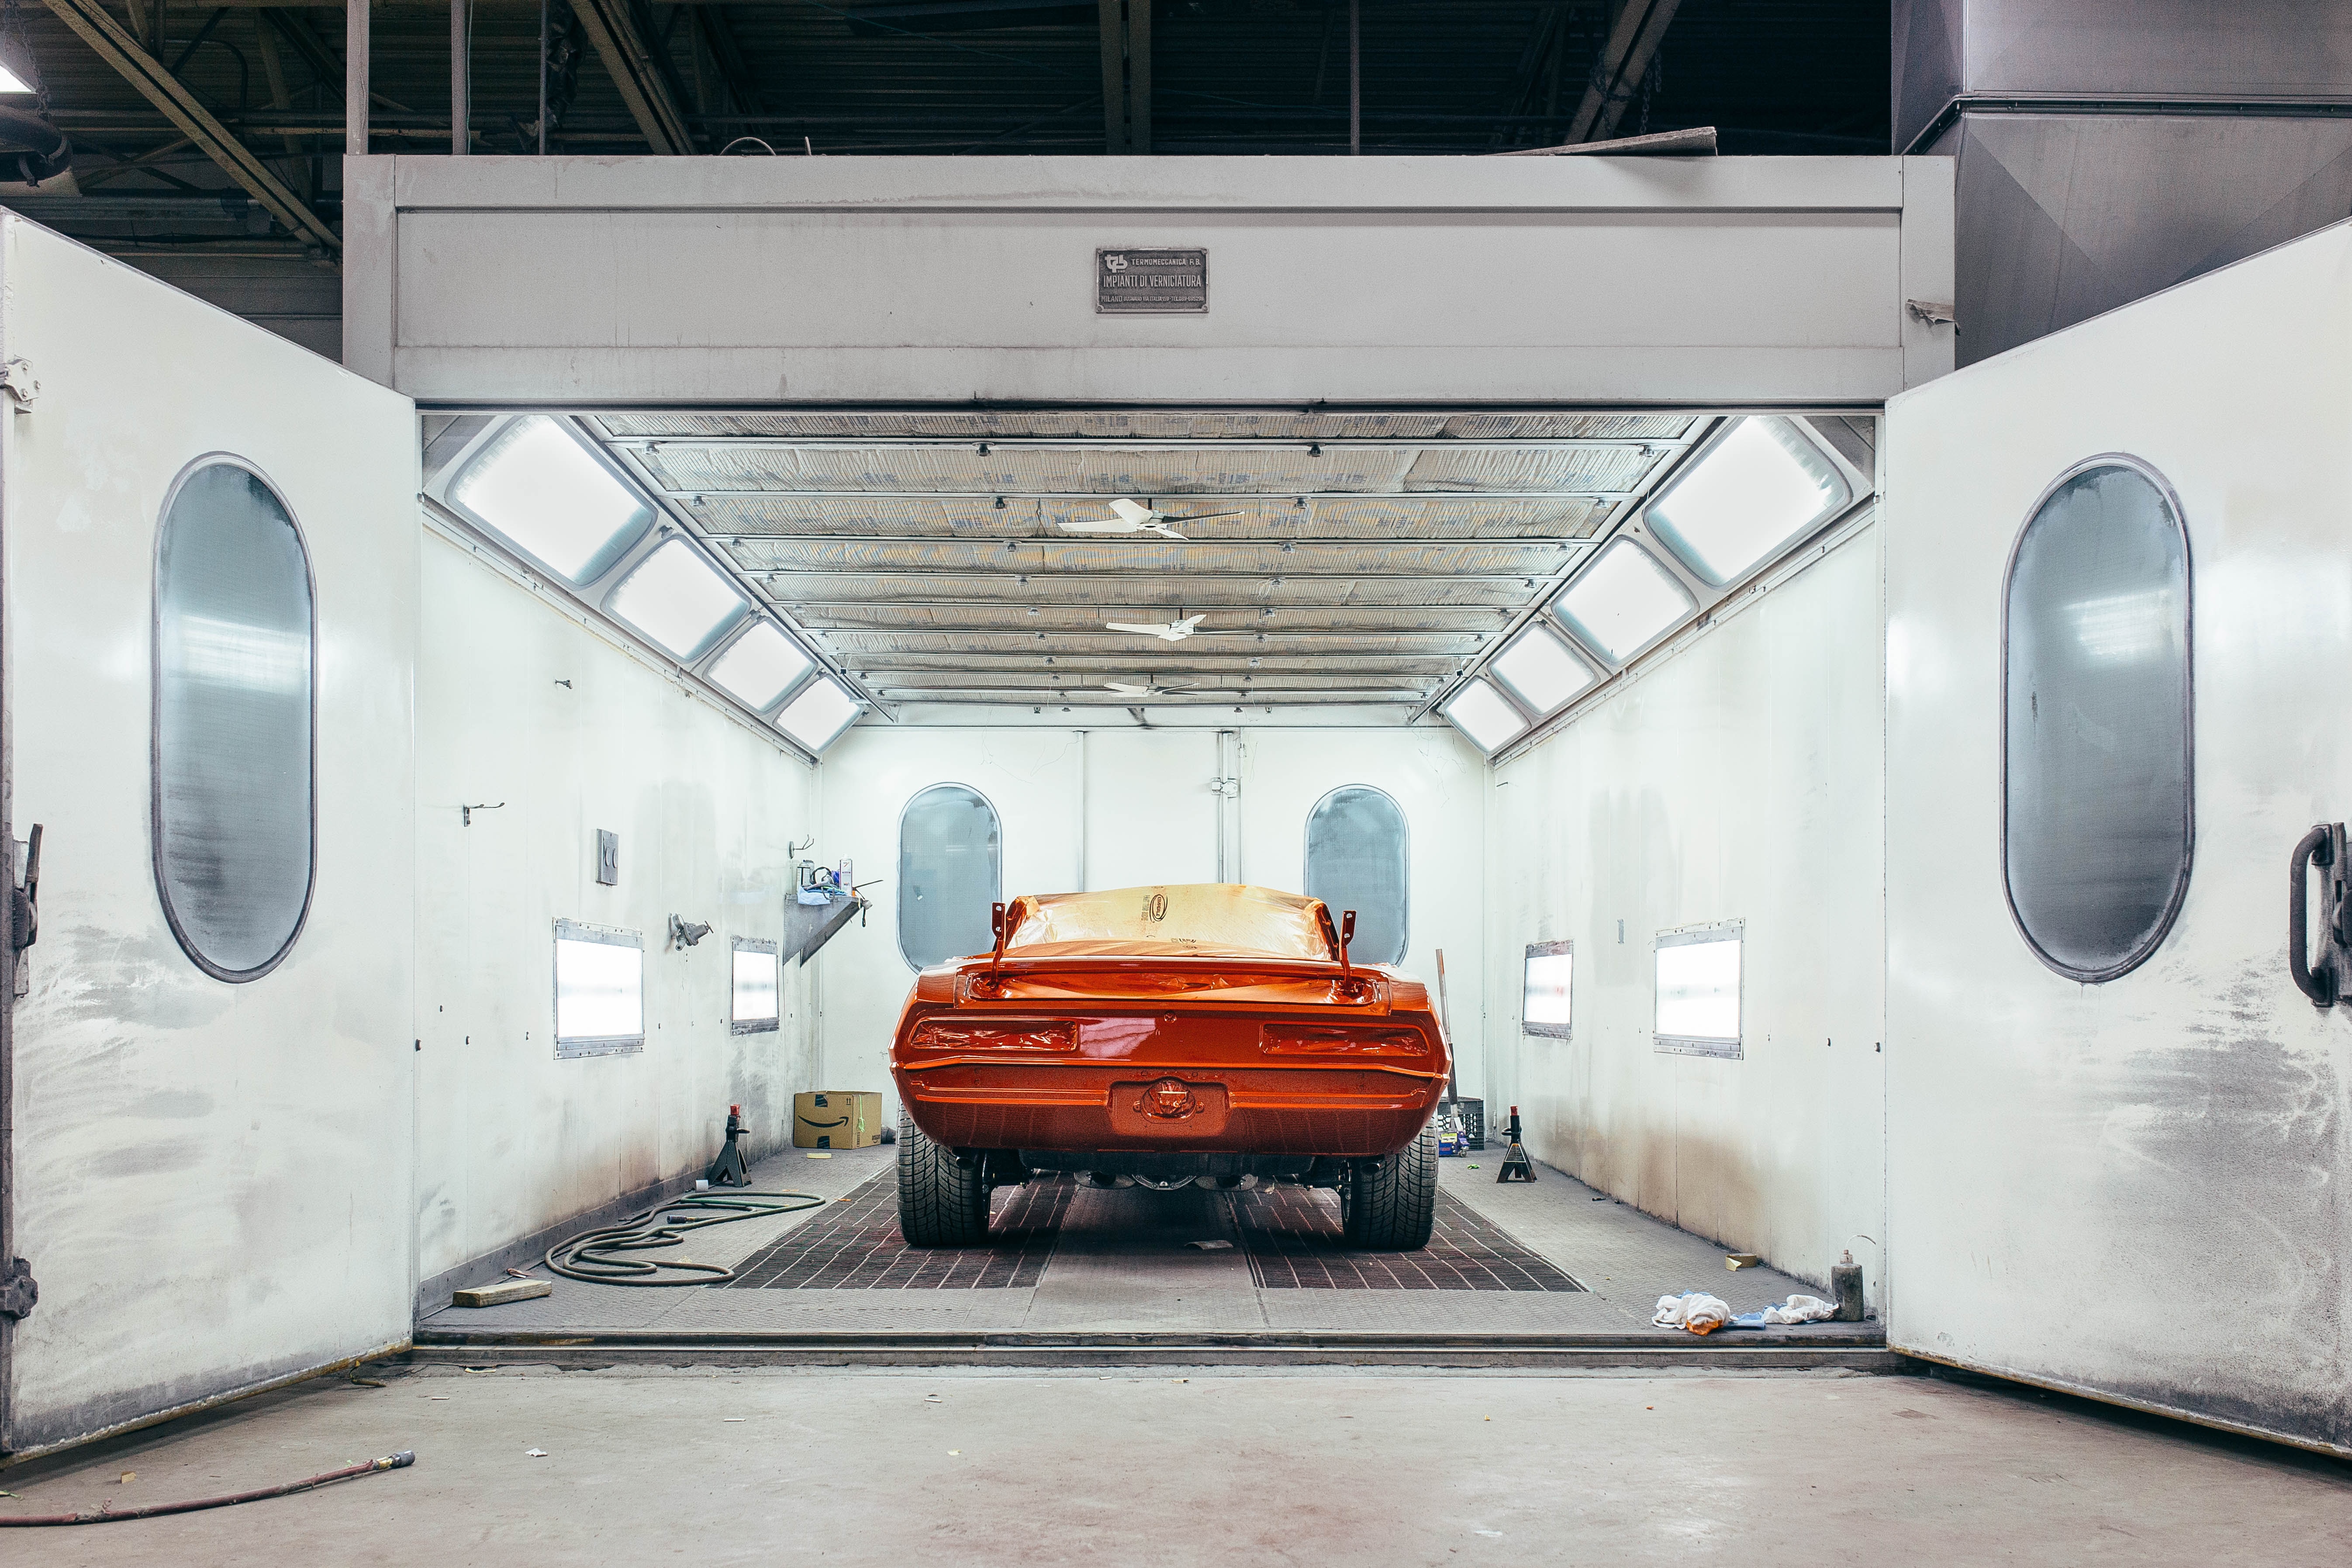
(1473,1114)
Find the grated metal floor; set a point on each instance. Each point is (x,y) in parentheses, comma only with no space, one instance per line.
(1292,1236)
(853,1244)
(1124,1262)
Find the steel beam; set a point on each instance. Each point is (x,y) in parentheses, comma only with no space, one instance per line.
(1139,76)
(1112,24)
(461,82)
(102,33)
(1632,43)
(355,79)
(638,71)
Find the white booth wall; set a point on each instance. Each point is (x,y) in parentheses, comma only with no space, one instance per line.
(1110,808)
(1737,777)
(565,731)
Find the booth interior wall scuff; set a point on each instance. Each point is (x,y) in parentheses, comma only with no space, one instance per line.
(1736,779)
(1123,808)
(514,1139)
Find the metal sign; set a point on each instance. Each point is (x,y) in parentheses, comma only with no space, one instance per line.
(1151,282)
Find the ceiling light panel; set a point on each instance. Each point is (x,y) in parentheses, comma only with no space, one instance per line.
(761,665)
(1484,714)
(679,599)
(1755,488)
(542,490)
(1623,602)
(1541,671)
(818,715)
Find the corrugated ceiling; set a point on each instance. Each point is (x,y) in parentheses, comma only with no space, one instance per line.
(1368,557)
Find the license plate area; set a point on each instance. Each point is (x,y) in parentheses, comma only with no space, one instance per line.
(1171,1107)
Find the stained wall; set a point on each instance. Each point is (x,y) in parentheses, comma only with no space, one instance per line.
(1736,779)
(558,729)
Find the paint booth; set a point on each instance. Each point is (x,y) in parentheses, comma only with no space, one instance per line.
(467,777)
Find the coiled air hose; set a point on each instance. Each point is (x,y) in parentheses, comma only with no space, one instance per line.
(590,1255)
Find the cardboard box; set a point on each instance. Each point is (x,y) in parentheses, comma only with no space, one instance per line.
(831,1119)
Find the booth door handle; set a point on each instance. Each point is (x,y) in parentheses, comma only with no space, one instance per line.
(25,898)
(2321,848)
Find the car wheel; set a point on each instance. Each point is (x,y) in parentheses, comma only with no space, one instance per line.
(940,1204)
(1394,1208)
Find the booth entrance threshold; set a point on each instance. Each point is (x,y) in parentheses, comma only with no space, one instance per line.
(1549,1274)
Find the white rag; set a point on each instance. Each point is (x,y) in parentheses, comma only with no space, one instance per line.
(1693,1310)
(1802,1309)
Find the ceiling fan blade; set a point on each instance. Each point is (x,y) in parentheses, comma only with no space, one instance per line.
(1131,627)
(1199,516)
(1133,512)
(1105,525)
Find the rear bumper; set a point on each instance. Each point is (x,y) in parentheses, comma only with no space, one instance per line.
(1097,1106)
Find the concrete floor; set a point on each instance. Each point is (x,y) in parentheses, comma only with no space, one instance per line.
(1205,1467)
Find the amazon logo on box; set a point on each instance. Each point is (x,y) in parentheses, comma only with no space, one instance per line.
(837,1118)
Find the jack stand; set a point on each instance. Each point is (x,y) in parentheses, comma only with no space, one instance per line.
(728,1170)
(1516,1166)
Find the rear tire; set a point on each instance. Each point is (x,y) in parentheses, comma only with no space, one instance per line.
(1394,1208)
(940,1204)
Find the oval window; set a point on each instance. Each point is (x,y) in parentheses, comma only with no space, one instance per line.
(2098,819)
(950,869)
(234,760)
(1356,860)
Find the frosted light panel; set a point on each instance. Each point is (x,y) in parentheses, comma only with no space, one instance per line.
(1698,990)
(1759,486)
(538,486)
(760,666)
(679,599)
(599,991)
(817,716)
(1540,670)
(1623,602)
(1479,711)
(1547,998)
(755,986)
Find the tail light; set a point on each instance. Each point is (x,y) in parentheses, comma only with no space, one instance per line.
(996,1035)
(1340,1040)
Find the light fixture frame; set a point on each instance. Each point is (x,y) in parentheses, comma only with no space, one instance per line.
(466,438)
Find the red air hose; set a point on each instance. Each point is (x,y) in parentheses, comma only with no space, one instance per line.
(401,1461)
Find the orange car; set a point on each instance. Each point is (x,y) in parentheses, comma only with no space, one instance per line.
(1214,1034)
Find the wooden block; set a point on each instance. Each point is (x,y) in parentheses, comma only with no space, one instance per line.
(1736,1260)
(497,1295)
